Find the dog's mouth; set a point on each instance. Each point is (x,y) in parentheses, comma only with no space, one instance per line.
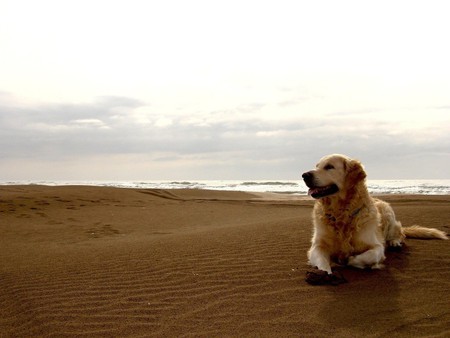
(319,192)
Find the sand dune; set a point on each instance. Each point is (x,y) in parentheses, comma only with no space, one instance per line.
(90,261)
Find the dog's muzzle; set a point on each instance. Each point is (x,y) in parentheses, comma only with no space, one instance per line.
(315,191)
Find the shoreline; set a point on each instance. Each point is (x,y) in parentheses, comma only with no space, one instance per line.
(86,260)
(296,187)
(295,194)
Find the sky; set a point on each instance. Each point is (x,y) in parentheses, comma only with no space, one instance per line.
(191,90)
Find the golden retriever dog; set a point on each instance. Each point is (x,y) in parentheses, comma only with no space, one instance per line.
(350,226)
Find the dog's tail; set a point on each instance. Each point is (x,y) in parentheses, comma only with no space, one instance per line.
(416,231)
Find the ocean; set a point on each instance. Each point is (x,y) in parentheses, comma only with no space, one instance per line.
(421,187)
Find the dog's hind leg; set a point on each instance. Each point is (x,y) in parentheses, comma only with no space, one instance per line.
(392,229)
(394,235)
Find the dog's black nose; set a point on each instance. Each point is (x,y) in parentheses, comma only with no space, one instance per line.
(308,177)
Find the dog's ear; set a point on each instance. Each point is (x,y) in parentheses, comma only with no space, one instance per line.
(355,172)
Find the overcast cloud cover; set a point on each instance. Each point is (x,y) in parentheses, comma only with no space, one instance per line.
(247,90)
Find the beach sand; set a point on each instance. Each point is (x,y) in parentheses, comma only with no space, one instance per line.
(98,261)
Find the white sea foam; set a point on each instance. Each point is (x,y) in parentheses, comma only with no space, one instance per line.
(422,187)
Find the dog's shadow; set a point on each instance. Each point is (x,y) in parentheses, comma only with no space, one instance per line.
(370,298)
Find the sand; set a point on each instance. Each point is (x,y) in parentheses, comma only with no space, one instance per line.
(97,261)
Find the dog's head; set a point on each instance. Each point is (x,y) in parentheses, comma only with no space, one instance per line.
(333,174)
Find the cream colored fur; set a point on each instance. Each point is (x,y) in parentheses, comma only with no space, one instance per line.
(351,227)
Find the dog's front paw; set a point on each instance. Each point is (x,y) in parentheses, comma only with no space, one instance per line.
(355,262)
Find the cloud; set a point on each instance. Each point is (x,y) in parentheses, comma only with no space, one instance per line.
(113,129)
(90,123)
(163,122)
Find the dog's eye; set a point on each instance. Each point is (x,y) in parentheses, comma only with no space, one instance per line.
(328,167)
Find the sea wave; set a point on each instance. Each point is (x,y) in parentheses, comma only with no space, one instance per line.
(269,183)
(421,187)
